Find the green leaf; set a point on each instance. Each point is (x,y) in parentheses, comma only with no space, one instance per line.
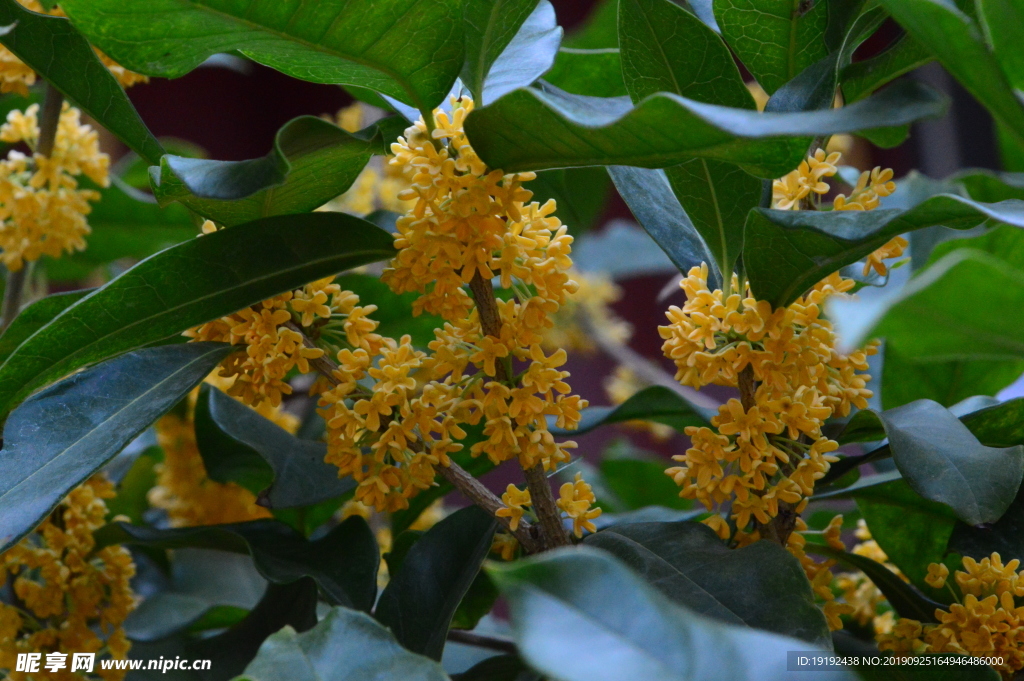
(343,562)
(904,598)
(957,42)
(478,601)
(534,130)
(499,668)
(239,444)
(411,50)
(53,48)
(581,195)
(313,161)
(132,489)
(420,601)
(1002,537)
(34,317)
(189,284)
(690,564)
(599,30)
(775,39)
(1000,425)
(655,206)
(786,252)
(62,435)
(490,25)
(345,646)
(943,461)
(904,380)
(657,403)
(597,73)
(862,78)
(566,596)
(638,483)
(527,57)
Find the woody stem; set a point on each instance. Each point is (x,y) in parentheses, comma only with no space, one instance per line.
(551,532)
(455,474)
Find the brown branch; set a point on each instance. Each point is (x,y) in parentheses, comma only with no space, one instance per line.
(551,534)
(13,289)
(459,477)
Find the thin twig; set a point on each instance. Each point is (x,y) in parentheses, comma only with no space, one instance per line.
(502,645)
(551,533)
(13,289)
(459,477)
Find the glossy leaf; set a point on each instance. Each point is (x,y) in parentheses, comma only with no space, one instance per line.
(904,598)
(862,78)
(957,42)
(638,483)
(657,403)
(490,25)
(345,646)
(597,73)
(34,317)
(62,435)
(241,445)
(690,564)
(527,57)
(774,39)
(420,600)
(313,161)
(943,461)
(787,252)
(904,380)
(1003,536)
(343,562)
(52,47)
(562,597)
(1000,425)
(535,130)
(191,283)
(408,49)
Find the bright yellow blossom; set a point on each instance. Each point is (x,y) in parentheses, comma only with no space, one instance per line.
(515,500)
(575,499)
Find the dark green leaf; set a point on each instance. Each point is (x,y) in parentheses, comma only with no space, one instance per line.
(563,597)
(411,50)
(191,283)
(53,48)
(862,78)
(581,194)
(657,403)
(530,54)
(787,252)
(775,39)
(345,646)
(34,317)
(651,199)
(132,490)
(477,602)
(599,29)
(498,668)
(597,73)
(1001,425)
(534,130)
(957,42)
(638,483)
(419,601)
(1003,537)
(343,562)
(394,310)
(943,461)
(285,470)
(690,564)
(904,598)
(947,383)
(62,435)
(490,25)
(313,161)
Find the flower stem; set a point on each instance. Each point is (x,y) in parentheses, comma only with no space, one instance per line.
(13,289)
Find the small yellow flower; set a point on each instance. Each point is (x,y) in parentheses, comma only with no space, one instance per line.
(515,501)
(937,574)
(574,500)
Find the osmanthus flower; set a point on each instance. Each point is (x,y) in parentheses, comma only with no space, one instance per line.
(869,605)
(986,620)
(72,597)
(575,501)
(17,77)
(42,210)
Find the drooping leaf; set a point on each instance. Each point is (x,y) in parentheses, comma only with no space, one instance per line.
(560,598)
(690,564)
(345,646)
(657,403)
(534,130)
(957,42)
(240,445)
(904,598)
(343,562)
(650,197)
(312,162)
(34,317)
(775,39)
(53,48)
(787,252)
(490,25)
(186,285)
(527,57)
(411,50)
(596,73)
(62,435)
(419,601)
(943,461)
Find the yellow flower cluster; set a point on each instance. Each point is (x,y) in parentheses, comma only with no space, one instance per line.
(575,500)
(865,599)
(790,191)
(819,574)
(16,76)
(72,598)
(42,210)
(987,622)
(771,451)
